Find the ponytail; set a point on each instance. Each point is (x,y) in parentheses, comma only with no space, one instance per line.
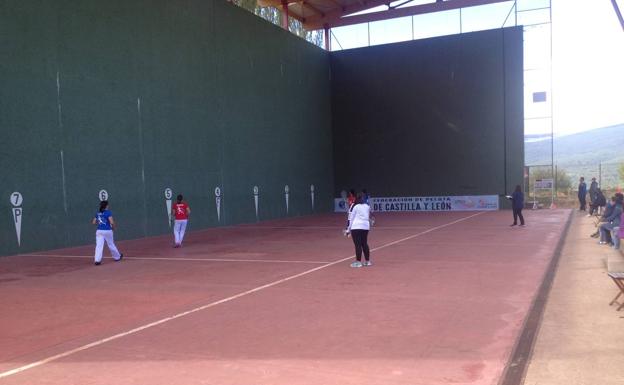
(103,206)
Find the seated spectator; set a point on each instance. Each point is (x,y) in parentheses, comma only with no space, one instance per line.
(599,202)
(612,220)
(619,234)
(606,213)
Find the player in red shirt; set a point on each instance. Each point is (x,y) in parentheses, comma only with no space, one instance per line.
(180,211)
(350,199)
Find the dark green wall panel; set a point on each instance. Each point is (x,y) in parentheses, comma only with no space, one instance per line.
(138,96)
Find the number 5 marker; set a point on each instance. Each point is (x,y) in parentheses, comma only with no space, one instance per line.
(168,196)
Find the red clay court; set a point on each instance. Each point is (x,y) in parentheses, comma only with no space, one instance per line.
(277,303)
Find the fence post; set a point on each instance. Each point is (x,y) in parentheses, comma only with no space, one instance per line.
(600,174)
(535,205)
(555,188)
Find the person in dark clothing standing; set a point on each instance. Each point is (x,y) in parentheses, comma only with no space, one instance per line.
(593,189)
(582,192)
(517,204)
(597,203)
(593,195)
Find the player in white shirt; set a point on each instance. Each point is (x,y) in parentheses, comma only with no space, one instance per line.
(359,225)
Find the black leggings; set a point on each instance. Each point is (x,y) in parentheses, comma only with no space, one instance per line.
(360,240)
(518,213)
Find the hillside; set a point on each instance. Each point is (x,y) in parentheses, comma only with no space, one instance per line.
(587,153)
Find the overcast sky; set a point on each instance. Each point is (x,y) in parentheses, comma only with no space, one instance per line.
(588,65)
(587,56)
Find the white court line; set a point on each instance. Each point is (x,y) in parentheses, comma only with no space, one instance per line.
(177,259)
(212,304)
(333,228)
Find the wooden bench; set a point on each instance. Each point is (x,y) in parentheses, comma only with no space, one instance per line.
(618,278)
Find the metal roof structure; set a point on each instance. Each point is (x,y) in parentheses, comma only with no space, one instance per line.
(326,14)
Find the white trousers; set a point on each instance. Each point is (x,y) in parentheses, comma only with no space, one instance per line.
(179,228)
(102,236)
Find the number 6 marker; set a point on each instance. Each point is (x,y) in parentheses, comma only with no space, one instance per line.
(217,192)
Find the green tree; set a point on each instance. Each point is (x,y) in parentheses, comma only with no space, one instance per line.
(249,5)
(563,181)
(274,16)
(621,172)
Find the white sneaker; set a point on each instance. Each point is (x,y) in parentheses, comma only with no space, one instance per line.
(368,263)
(356,264)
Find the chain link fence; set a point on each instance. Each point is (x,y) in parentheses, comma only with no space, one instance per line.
(609,175)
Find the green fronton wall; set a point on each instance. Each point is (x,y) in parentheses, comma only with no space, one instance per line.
(138,96)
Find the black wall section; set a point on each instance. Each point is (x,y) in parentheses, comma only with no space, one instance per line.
(441,116)
(137,96)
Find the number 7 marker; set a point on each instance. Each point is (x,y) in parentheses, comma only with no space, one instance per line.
(16,200)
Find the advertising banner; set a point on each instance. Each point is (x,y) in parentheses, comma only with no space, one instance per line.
(544,184)
(443,203)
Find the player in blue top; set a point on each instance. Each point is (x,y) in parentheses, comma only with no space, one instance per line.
(365,197)
(517,204)
(105,226)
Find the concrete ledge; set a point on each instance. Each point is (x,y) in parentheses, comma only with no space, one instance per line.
(615,263)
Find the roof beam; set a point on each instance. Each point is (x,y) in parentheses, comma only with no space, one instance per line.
(315,10)
(279,4)
(336,3)
(337,18)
